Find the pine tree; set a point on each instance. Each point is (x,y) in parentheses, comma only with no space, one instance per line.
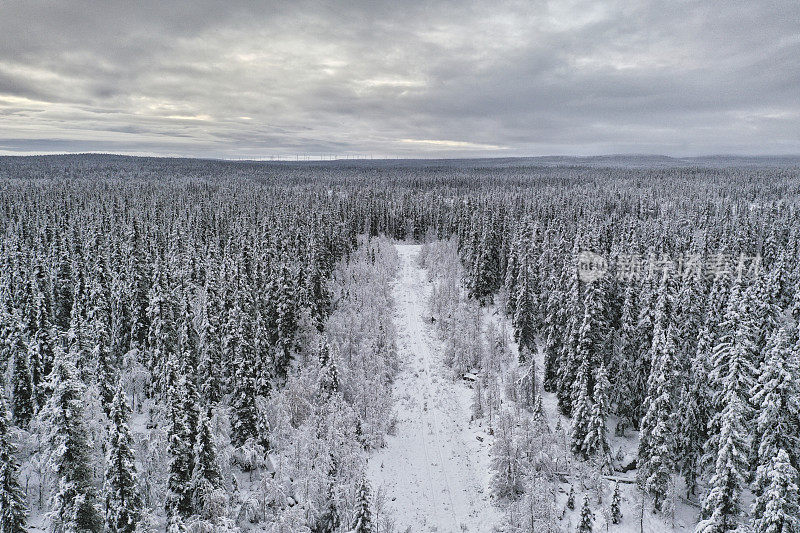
(245,417)
(162,335)
(210,367)
(286,319)
(23,402)
(40,361)
(571,498)
(554,334)
(74,501)
(329,378)
(206,477)
(721,505)
(596,441)
(645,326)
(727,448)
(777,394)
(179,497)
(524,316)
(625,355)
(123,502)
(13,507)
(362,518)
(569,361)
(581,413)
(695,407)
(329,521)
(587,517)
(616,505)
(777,509)
(527,384)
(106,375)
(657,436)
(593,331)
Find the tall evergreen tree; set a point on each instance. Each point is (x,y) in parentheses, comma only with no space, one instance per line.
(657,436)
(123,503)
(777,508)
(23,401)
(206,477)
(73,504)
(586,523)
(524,316)
(362,518)
(569,360)
(581,412)
(625,356)
(179,497)
(727,447)
(13,507)
(596,441)
(777,393)
(616,505)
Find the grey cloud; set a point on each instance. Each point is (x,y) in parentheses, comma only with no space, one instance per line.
(400,78)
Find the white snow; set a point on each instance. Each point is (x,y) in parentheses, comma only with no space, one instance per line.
(434,471)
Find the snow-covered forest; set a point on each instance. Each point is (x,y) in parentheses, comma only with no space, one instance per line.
(378,347)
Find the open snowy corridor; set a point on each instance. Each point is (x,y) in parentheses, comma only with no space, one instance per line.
(434,471)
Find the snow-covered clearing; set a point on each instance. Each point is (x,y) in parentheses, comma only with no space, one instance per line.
(434,471)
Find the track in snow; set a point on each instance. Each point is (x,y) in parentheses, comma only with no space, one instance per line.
(434,470)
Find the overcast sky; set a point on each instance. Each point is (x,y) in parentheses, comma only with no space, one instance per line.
(400,78)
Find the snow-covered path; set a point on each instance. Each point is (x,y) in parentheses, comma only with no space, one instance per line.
(434,470)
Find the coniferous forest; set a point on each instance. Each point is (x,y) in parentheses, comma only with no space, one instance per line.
(210,346)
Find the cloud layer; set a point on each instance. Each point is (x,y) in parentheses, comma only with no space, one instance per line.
(261,79)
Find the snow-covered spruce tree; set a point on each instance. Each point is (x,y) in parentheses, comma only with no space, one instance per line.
(581,412)
(761,300)
(525,313)
(23,404)
(595,443)
(162,335)
(777,393)
(727,448)
(123,503)
(206,477)
(586,522)
(554,336)
(179,490)
(40,360)
(13,507)
(210,370)
(528,393)
(106,375)
(616,505)
(286,318)
(692,414)
(625,355)
(647,300)
(777,508)
(73,504)
(329,372)
(590,354)
(244,420)
(512,271)
(656,454)
(569,360)
(593,332)
(695,405)
(362,516)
